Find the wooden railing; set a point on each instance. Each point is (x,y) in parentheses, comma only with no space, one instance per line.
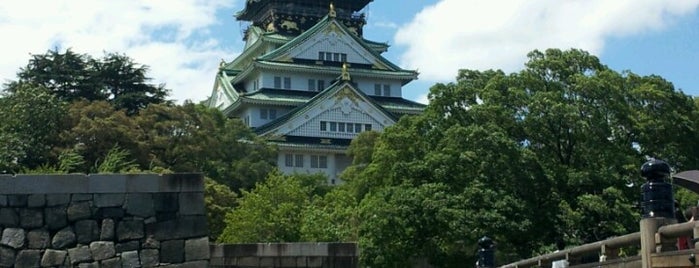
(664,252)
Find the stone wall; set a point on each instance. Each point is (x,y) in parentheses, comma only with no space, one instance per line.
(103,221)
(325,255)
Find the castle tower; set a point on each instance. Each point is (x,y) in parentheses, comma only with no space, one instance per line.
(309,82)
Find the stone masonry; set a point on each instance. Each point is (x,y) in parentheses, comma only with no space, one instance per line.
(134,220)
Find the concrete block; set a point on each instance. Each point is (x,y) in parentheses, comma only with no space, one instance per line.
(107,183)
(89,265)
(108,200)
(111,263)
(192,203)
(3,200)
(107,230)
(166,202)
(127,246)
(343,249)
(190,182)
(49,184)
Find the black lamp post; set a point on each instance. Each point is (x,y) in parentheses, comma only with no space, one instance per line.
(486,253)
(656,192)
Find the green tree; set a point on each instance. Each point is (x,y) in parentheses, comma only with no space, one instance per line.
(271,212)
(220,200)
(31,119)
(70,76)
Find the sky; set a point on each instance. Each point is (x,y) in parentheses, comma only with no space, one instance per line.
(183,41)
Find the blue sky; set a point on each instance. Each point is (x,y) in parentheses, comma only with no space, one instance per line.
(183,41)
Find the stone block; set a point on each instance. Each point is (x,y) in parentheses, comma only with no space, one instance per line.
(87,231)
(36,200)
(38,239)
(28,258)
(63,239)
(114,213)
(17,200)
(166,202)
(79,211)
(57,199)
(3,200)
(50,184)
(172,251)
(143,183)
(196,249)
(130,259)
(56,217)
(80,197)
(53,258)
(181,228)
(129,230)
(107,183)
(149,257)
(9,217)
(108,200)
(111,263)
(193,264)
(188,182)
(107,230)
(192,203)
(151,243)
(140,204)
(7,257)
(13,237)
(128,246)
(89,265)
(79,254)
(31,218)
(102,250)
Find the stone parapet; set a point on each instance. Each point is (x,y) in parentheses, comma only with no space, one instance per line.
(336,255)
(119,220)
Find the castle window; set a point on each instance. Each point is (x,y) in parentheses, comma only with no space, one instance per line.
(333,126)
(358,128)
(377,89)
(331,56)
(314,161)
(321,85)
(350,128)
(312,85)
(263,114)
(387,90)
(321,55)
(341,127)
(319,161)
(277,82)
(367,127)
(343,57)
(299,160)
(287,82)
(289,160)
(323,126)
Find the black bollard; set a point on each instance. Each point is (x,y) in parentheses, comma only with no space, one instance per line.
(486,253)
(656,192)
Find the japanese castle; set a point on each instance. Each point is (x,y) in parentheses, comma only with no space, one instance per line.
(309,82)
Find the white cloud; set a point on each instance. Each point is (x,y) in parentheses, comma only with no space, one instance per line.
(498,34)
(172,37)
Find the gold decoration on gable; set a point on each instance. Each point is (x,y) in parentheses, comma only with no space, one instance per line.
(346,92)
